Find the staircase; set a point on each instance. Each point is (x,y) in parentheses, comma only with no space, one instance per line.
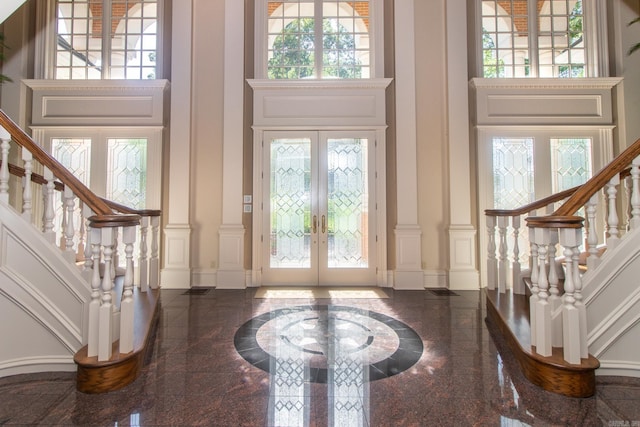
(72,303)
(569,306)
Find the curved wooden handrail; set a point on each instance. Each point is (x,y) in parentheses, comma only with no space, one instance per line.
(538,204)
(598,181)
(87,196)
(127,210)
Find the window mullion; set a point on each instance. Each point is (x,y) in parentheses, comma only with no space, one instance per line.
(532,25)
(318,37)
(106,39)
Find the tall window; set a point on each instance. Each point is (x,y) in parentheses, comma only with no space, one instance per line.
(318,39)
(106,39)
(533,38)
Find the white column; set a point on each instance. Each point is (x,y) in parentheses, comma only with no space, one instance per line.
(231,255)
(176,271)
(408,273)
(463,272)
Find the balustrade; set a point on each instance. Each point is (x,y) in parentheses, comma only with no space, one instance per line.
(87,236)
(562,247)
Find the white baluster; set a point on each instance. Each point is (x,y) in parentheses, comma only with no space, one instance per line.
(543,310)
(592,233)
(503,261)
(143,262)
(86,214)
(554,292)
(27,191)
(533,299)
(4,168)
(634,221)
(154,262)
(96,300)
(106,307)
(611,189)
(80,251)
(579,304)
(49,211)
(492,261)
(517,283)
(126,305)
(570,314)
(69,229)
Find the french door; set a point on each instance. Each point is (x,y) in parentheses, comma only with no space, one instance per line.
(318,208)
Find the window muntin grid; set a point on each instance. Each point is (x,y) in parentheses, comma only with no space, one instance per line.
(516,42)
(106,39)
(318,39)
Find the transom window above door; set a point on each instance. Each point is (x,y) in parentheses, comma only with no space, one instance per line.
(316,39)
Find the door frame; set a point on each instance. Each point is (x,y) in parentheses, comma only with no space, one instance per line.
(378,191)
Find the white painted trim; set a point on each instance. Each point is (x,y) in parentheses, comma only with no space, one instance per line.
(176,272)
(461,234)
(435,279)
(204,278)
(600,83)
(231,232)
(29,365)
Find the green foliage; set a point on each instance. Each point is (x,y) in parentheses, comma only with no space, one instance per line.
(492,67)
(3,46)
(294,52)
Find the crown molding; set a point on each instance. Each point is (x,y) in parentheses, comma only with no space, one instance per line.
(599,83)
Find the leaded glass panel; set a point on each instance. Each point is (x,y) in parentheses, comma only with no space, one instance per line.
(347,198)
(127,171)
(290,213)
(571,162)
(513,171)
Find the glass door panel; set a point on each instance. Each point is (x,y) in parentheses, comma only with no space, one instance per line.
(316,218)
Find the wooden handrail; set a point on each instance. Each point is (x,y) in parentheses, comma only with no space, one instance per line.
(41,180)
(598,181)
(538,204)
(95,203)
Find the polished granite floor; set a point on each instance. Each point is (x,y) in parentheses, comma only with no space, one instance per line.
(224,358)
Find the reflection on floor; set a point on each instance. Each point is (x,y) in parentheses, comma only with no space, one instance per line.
(223,358)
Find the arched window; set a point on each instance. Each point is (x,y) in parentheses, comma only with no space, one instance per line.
(106,39)
(536,38)
(323,39)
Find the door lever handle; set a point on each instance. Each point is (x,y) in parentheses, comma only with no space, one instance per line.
(324,225)
(315,224)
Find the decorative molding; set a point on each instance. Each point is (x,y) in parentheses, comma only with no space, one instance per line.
(176,273)
(46,363)
(318,84)
(463,271)
(98,103)
(231,274)
(599,83)
(98,85)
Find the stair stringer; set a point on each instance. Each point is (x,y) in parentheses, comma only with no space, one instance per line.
(44,301)
(611,294)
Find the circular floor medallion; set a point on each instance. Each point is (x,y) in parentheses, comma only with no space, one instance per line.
(321,343)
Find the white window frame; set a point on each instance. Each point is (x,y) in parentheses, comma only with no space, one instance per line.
(46,47)
(376,37)
(594,33)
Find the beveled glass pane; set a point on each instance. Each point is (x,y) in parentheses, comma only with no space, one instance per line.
(347,203)
(290,211)
(513,172)
(127,172)
(571,162)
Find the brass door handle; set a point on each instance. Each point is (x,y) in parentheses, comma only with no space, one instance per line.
(324,224)
(315,224)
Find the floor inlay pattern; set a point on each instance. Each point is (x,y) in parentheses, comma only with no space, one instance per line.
(328,341)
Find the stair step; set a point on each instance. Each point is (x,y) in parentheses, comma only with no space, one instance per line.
(122,369)
(510,314)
